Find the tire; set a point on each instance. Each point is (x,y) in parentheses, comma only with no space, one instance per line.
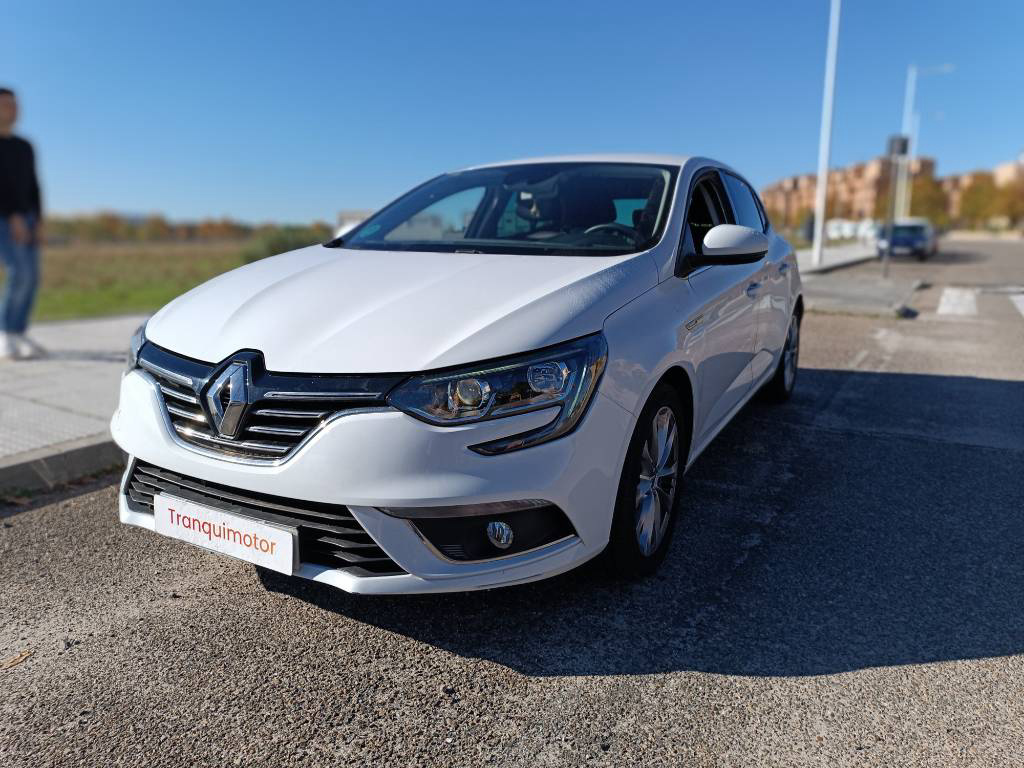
(643,522)
(780,387)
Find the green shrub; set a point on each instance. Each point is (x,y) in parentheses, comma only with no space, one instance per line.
(272,241)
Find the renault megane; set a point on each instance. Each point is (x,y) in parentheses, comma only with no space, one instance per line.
(499,376)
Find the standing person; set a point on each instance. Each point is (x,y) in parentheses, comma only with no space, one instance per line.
(20,221)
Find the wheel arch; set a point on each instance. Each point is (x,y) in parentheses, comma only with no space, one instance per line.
(679,379)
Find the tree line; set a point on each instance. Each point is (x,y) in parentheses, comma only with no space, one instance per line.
(117,228)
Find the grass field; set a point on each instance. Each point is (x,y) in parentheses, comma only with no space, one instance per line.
(91,280)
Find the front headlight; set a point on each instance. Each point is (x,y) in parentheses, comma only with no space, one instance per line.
(135,346)
(563,377)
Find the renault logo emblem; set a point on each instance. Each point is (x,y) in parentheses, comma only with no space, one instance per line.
(228,398)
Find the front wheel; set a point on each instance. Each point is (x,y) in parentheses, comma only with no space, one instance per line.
(781,385)
(645,509)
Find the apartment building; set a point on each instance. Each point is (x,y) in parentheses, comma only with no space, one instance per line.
(855,192)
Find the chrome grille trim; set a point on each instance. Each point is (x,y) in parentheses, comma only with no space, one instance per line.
(177,378)
(250,445)
(185,413)
(179,395)
(286,410)
(278,413)
(281,431)
(324,395)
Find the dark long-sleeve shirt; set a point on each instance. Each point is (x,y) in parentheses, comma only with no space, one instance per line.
(19,187)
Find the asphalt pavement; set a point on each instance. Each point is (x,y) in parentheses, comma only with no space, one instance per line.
(844,588)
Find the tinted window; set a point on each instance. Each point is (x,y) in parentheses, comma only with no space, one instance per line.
(708,208)
(698,217)
(747,212)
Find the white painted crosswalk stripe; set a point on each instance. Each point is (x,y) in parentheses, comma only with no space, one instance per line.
(1018,301)
(958,301)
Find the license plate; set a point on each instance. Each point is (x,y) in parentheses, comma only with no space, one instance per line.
(272,546)
(901,249)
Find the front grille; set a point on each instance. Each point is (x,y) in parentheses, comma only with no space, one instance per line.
(281,410)
(328,533)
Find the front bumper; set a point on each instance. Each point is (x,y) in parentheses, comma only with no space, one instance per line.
(369,461)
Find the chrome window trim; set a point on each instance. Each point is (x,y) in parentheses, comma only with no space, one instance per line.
(248,460)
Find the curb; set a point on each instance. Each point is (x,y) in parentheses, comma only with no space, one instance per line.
(833,267)
(902,309)
(57,465)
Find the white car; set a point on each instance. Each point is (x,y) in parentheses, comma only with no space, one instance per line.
(496,378)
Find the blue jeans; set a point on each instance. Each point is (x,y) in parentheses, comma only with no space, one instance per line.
(21,266)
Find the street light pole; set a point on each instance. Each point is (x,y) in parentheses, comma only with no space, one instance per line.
(902,202)
(908,191)
(825,138)
(911,122)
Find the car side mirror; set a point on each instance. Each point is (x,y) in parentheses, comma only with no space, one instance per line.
(733,244)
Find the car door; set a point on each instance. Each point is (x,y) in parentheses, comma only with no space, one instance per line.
(769,288)
(725,316)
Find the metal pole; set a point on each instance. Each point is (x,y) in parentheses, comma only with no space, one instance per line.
(902,208)
(915,128)
(894,161)
(825,138)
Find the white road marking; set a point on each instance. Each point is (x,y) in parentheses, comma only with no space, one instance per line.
(859,358)
(958,301)
(1018,301)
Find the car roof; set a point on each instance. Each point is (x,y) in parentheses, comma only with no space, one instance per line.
(646,159)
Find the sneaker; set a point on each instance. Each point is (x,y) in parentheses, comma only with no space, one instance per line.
(8,350)
(26,348)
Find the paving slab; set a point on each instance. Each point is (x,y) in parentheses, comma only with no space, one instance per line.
(860,295)
(835,257)
(62,403)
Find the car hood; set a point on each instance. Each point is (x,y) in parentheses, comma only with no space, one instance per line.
(325,310)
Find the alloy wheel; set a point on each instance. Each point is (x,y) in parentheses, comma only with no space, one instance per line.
(791,354)
(656,488)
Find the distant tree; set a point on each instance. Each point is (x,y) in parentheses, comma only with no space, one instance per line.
(777,218)
(1011,202)
(883,204)
(929,199)
(980,201)
(155,228)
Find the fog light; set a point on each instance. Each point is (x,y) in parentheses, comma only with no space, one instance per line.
(499,534)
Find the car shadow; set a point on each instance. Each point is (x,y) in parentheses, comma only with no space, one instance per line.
(948,256)
(875,520)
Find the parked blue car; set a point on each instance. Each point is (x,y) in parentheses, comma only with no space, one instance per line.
(910,237)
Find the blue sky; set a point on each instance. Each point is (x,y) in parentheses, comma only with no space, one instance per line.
(289,112)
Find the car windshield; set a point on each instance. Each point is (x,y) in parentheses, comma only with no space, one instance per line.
(908,230)
(569,209)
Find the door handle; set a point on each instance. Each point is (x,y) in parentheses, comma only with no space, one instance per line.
(752,290)
(783,268)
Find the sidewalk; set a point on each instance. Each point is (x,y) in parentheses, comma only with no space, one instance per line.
(55,412)
(834,257)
